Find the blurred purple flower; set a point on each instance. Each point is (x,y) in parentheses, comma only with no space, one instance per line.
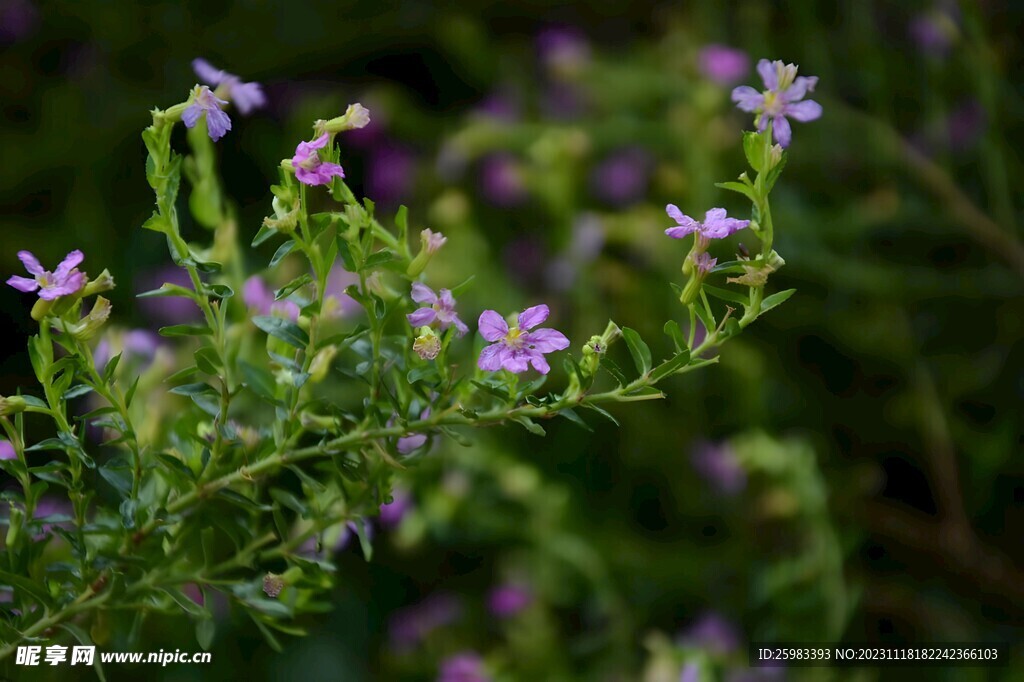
(935,31)
(502,181)
(409,626)
(505,601)
(514,349)
(723,64)
(782,97)
(168,309)
(392,513)
(966,124)
(63,281)
(712,632)
(717,464)
(524,258)
(441,309)
(135,345)
(17,19)
(260,300)
(309,168)
(390,173)
(466,666)
(622,177)
(203,101)
(562,48)
(341,304)
(332,540)
(7,450)
(690,673)
(56,511)
(501,107)
(562,101)
(413,441)
(586,245)
(245,96)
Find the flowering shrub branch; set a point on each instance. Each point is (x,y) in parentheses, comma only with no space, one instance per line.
(230,482)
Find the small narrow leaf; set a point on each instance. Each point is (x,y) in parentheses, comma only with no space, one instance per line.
(638,349)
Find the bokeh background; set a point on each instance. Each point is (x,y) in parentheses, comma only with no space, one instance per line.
(849,471)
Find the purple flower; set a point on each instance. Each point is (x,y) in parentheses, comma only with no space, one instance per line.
(390,172)
(934,32)
(331,541)
(704,262)
(392,513)
(782,98)
(135,344)
(622,177)
(691,673)
(466,666)
(65,280)
(723,64)
(501,180)
(716,225)
(432,241)
(336,302)
(168,309)
(513,348)
(245,96)
(218,123)
(441,310)
(718,465)
(413,441)
(409,626)
(507,600)
(309,169)
(712,632)
(260,300)
(563,49)
(52,510)
(7,450)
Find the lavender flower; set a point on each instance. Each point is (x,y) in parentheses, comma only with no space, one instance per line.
(781,99)
(168,309)
(704,262)
(390,173)
(260,300)
(336,302)
(134,345)
(723,64)
(432,241)
(934,32)
(716,225)
(392,513)
(64,281)
(441,310)
(514,348)
(7,450)
(409,626)
(466,666)
(622,177)
(309,169)
(501,180)
(218,123)
(691,673)
(413,441)
(718,465)
(245,96)
(712,632)
(507,600)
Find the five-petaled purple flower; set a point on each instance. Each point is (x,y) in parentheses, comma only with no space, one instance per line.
(309,169)
(65,280)
(441,309)
(245,96)
(218,123)
(781,99)
(517,347)
(716,225)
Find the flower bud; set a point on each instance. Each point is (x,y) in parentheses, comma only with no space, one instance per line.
(428,344)
(285,220)
(15,520)
(104,282)
(355,117)
(12,405)
(272,585)
(430,243)
(322,364)
(91,324)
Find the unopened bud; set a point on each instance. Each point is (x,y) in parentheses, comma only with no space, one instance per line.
(322,364)
(104,282)
(430,243)
(12,405)
(91,324)
(355,117)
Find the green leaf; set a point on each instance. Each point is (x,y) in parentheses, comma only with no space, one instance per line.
(726,295)
(77,392)
(176,466)
(157,223)
(345,251)
(193,389)
(638,349)
(27,586)
(279,328)
(530,425)
(283,251)
(222,291)
(206,628)
(263,235)
(601,411)
(289,500)
(186,330)
(259,381)
(776,300)
(379,258)
(83,638)
(127,510)
(754,149)
(571,415)
(676,334)
(612,368)
(668,367)
(167,289)
(293,286)
(774,173)
(208,360)
(241,500)
(402,222)
(745,190)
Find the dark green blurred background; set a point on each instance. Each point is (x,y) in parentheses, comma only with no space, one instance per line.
(877,414)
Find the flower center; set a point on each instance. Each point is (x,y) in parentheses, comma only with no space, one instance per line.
(513,338)
(772,103)
(310,162)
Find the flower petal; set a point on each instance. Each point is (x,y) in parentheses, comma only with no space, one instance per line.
(207,72)
(421,317)
(492,326)
(407,444)
(490,358)
(800,87)
(781,130)
(747,98)
(218,123)
(70,262)
(421,293)
(460,326)
(248,96)
(805,111)
(547,340)
(515,361)
(539,363)
(318,143)
(23,283)
(768,73)
(679,232)
(191,115)
(30,262)
(447,300)
(531,317)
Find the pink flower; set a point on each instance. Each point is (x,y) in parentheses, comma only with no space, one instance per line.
(517,347)
(309,169)
(260,299)
(441,310)
(723,64)
(7,450)
(65,280)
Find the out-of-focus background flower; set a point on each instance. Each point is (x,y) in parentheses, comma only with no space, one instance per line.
(851,468)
